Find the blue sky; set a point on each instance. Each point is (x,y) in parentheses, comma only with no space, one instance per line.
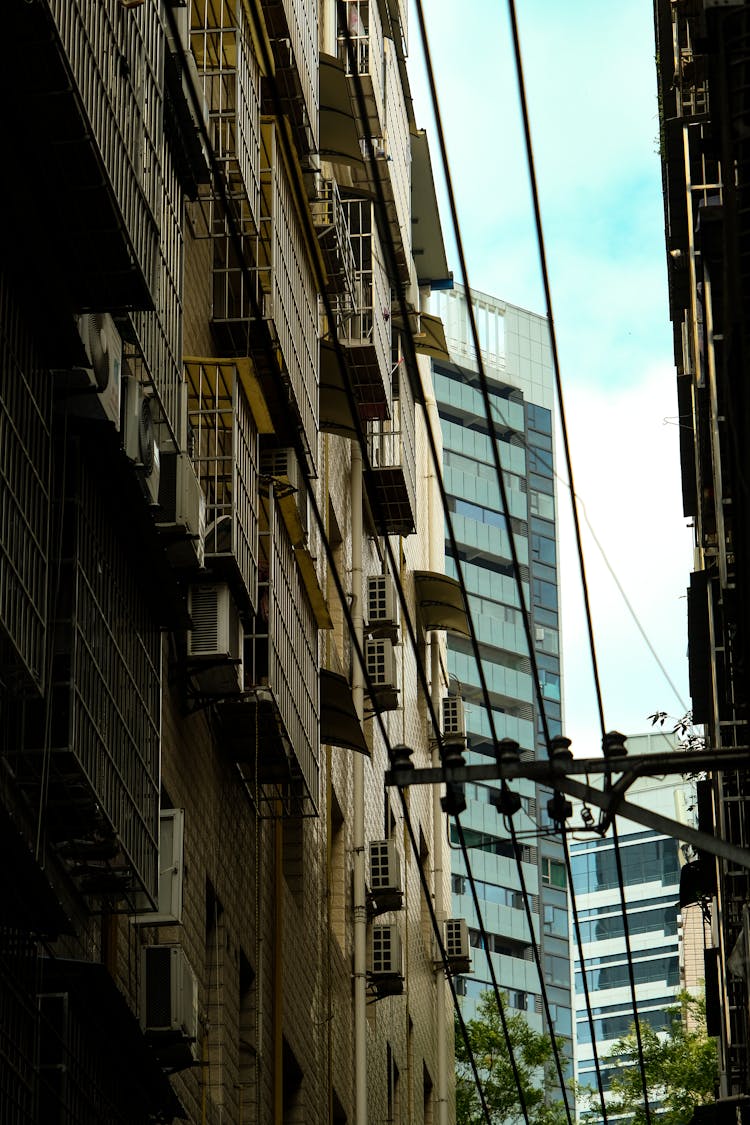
(590,82)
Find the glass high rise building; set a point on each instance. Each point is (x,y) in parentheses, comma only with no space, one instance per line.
(517,362)
(651,875)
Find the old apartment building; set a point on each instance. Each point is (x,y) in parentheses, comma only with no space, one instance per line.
(221,557)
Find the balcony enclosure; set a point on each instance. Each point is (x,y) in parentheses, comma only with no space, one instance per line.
(273,730)
(94,747)
(332,227)
(292,27)
(272,284)
(155,354)
(361,52)
(223,443)
(93,87)
(392,479)
(230,79)
(366,334)
(25,422)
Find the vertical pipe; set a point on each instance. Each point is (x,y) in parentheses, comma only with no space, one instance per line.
(358,813)
(278,970)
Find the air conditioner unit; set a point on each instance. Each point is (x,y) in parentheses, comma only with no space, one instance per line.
(94,390)
(139,437)
(454,721)
(382,604)
(216,640)
(380,661)
(282,467)
(385,962)
(385,889)
(183,507)
(169,1004)
(456,942)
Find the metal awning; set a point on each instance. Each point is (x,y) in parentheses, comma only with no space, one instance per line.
(429,339)
(441,602)
(427,233)
(339,140)
(93,992)
(335,404)
(339,723)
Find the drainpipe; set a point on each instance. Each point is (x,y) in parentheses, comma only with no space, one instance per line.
(358,813)
(436,562)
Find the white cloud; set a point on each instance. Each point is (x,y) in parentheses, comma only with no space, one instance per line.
(590,81)
(626,470)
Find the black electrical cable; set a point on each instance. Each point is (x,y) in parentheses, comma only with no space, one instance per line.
(579,544)
(236,238)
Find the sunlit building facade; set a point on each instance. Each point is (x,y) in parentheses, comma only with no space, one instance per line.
(210,415)
(516,357)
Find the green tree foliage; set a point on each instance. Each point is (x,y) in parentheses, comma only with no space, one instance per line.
(681,1068)
(533,1053)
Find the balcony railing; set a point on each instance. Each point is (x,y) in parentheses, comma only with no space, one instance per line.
(223,442)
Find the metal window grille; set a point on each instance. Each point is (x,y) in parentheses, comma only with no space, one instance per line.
(104,739)
(285,278)
(230,75)
(292,648)
(25,414)
(116,67)
(224,440)
(157,354)
(366,40)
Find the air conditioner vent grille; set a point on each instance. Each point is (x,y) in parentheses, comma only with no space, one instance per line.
(204,611)
(158,988)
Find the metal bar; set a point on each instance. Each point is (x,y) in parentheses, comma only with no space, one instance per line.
(642,765)
(611,802)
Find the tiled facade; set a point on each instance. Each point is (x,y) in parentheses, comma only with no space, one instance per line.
(202,312)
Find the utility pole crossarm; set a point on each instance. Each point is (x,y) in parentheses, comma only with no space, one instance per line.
(558,774)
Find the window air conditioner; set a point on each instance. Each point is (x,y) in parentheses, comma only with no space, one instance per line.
(183,506)
(169,1004)
(382,605)
(386,892)
(94,390)
(216,640)
(454,722)
(385,967)
(456,942)
(139,437)
(380,661)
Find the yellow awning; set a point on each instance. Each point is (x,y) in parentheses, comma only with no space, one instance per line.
(430,337)
(339,140)
(441,602)
(216,369)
